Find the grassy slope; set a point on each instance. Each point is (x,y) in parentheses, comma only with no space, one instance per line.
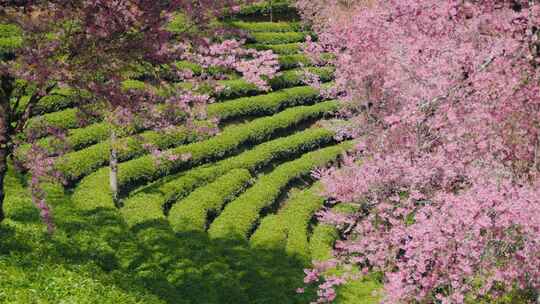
(95,258)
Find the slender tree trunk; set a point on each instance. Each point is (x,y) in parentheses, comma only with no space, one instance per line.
(271,12)
(113,165)
(4,151)
(3,171)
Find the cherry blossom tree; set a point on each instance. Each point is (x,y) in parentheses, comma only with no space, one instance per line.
(93,46)
(444,98)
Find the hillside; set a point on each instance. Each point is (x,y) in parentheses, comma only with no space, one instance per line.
(233,223)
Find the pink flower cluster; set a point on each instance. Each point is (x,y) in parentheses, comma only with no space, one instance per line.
(445,97)
(256,66)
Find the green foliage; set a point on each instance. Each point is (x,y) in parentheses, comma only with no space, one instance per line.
(264,7)
(321,242)
(10,38)
(83,162)
(239,216)
(264,104)
(288,229)
(144,169)
(239,87)
(271,234)
(298,212)
(76,139)
(281,49)
(94,257)
(276,38)
(268,26)
(58,100)
(65,119)
(148,203)
(296,77)
(293,61)
(131,84)
(191,213)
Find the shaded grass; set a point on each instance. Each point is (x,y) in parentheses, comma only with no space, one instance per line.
(94,257)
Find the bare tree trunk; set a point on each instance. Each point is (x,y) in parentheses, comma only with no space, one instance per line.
(4,152)
(113,165)
(271,12)
(3,171)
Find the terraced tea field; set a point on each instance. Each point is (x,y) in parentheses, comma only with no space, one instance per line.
(233,223)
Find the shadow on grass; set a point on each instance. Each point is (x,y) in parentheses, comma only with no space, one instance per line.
(150,259)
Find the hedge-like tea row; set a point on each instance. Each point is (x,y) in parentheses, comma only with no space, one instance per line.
(148,204)
(291,223)
(94,133)
(136,172)
(296,77)
(239,216)
(281,49)
(76,138)
(322,241)
(236,88)
(298,213)
(63,98)
(276,38)
(324,236)
(68,118)
(87,158)
(293,61)
(227,142)
(10,38)
(239,87)
(264,104)
(264,7)
(65,119)
(58,100)
(268,26)
(191,213)
(83,162)
(271,234)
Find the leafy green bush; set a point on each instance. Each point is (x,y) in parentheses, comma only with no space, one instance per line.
(297,76)
(78,164)
(276,38)
(281,49)
(298,213)
(58,100)
(291,223)
(271,234)
(10,38)
(83,162)
(264,7)
(87,158)
(268,26)
(66,119)
(93,190)
(148,203)
(191,213)
(324,236)
(237,88)
(264,104)
(293,61)
(239,216)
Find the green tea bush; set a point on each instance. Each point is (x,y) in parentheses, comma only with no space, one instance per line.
(268,26)
(276,38)
(281,49)
(191,213)
(148,204)
(139,171)
(239,216)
